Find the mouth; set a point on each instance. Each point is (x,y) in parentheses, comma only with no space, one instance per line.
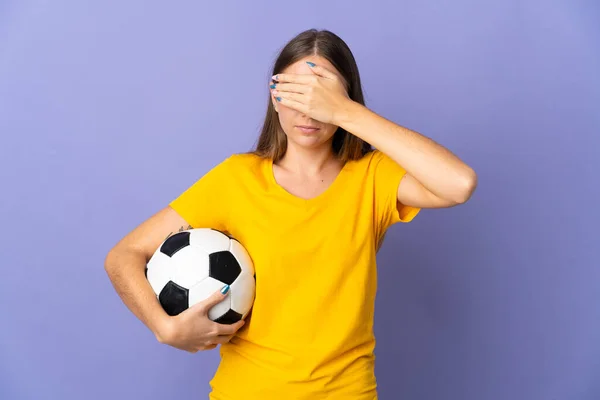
(307,128)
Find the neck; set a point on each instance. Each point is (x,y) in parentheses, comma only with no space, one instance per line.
(309,162)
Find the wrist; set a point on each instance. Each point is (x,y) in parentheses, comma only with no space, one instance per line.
(163,329)
(350,112)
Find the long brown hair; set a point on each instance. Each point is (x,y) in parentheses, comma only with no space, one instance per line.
(272,142)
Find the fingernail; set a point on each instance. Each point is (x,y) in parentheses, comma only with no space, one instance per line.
(225,289)
(275,77)
(311,64)
(278,98)
(272,86)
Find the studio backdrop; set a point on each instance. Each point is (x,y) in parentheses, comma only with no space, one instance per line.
(110,109)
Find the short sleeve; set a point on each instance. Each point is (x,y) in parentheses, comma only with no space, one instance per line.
(387,175)
(205,203)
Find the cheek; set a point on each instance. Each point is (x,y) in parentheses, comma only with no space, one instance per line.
(286,117)
(331,130)
(285,112)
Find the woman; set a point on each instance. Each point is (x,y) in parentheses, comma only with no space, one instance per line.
(311,204)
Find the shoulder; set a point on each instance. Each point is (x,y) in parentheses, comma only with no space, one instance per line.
(244,161)
(238,161)
(375,163)
(243,165)
(368,161)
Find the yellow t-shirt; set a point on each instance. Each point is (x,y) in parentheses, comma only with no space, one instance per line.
(310,332)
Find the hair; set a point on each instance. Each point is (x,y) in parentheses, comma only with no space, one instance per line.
(272,142)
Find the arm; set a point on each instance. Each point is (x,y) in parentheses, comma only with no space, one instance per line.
(126,262)
(435,177)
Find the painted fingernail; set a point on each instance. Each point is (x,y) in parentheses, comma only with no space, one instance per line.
(311,64)
(272,86)
(225,289)
(278,98)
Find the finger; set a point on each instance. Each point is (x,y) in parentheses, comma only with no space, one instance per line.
(214,299)
(291,87)
(223,339)
(225,330)
(283,99)
(191,350)
(294,78)
(298,97)
(321,71)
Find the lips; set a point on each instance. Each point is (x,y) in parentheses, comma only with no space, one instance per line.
(307,128)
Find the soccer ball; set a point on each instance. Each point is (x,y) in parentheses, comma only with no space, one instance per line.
(191,265)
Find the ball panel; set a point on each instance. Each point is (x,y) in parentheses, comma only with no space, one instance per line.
(224,267)
(230,317)
(189,265)
(173,298)
(175,242)
(242,293)
(242,256)
(203,290)
(159,271)
(211,240)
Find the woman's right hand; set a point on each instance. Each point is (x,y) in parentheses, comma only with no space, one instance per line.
(193,331)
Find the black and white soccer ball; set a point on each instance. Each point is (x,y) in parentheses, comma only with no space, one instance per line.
(191,265)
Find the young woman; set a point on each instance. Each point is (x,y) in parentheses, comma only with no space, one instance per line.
(311,204)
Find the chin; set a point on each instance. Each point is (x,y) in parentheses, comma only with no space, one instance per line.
(309,141)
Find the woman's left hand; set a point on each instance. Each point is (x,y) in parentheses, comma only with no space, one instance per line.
(321,96)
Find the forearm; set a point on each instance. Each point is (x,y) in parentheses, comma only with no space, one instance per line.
(125,269)
(434,166)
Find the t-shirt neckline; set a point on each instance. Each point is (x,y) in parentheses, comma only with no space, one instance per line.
(328,192)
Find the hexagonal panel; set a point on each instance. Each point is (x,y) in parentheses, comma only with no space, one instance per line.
(173,298)
(189,265)
(210,240)
(224,267)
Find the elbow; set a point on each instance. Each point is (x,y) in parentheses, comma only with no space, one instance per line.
(122,256)
(113,259)
(109,261)
(465,187)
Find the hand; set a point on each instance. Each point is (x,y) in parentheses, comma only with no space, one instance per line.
(321,96)
(193,331)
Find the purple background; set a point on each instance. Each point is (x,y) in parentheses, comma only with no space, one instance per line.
(110,109)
